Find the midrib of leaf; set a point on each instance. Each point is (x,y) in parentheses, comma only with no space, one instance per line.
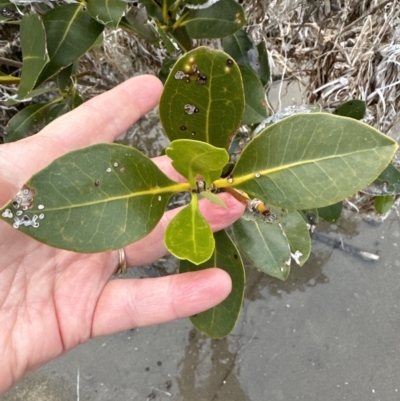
(67,31)
(155,191)
(223,182)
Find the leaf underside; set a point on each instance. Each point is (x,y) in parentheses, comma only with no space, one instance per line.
(310,161)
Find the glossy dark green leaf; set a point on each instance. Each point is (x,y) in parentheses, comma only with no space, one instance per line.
(263,70)
(296,231)
(34,52)
(153,9)
(219,321)
(168,41)
(264,245)
(107,12)
(136,20)
(310,161)
(95,199)
(310,216)
(57,110)
(331,213)
(182,38)
(203,98)
(383,203)
(63,78)
(166,68)
(217,21)
(74,100)
(388,183)
(191,158)
(256,108)
(353,108)
(238,47)
(189,236)
(70,32)
(28,121)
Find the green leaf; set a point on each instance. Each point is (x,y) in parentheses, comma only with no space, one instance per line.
(388,183)
(296,231)
(107,12)
(263,70)
(383,203)
(219,321)
(8,11)
(264,245)
(189,236)
(331,213)
(70,32)
(203,98)
(28,121)
(254,93)
(310,161)
(96,199)
(63,78)
(353,108)
(57,110)
(166,68)
(310,216)
(217,21)
(74,100)
(191,158)
(182,38)
(213,198)
(153,9)
(238,47)
(169,42)
(34,52)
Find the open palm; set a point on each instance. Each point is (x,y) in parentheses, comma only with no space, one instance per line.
(52,300)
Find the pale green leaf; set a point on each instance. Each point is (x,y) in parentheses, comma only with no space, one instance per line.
(310,161)
(191,158)
(213,198)
(189,236)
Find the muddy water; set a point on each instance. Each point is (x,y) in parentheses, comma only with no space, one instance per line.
(330,332)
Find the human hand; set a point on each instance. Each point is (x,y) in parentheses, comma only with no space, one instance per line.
(52,300)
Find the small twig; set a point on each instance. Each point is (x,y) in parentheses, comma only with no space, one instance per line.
(12,63)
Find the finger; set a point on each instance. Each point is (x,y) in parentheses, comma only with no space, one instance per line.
(151,247)
(125,304)
(101,119)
